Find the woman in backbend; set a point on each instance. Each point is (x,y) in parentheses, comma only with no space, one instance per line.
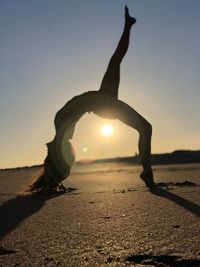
(103,103)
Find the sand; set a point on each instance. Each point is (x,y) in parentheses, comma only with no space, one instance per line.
(112,219)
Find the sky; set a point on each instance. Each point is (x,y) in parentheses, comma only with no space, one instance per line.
(51,51)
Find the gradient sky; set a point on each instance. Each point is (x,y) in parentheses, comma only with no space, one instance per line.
(53,50)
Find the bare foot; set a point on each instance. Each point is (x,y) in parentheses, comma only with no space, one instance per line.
(129,20)
(147,177)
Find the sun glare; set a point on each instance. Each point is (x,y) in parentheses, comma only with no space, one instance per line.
(106,130)
(85,149)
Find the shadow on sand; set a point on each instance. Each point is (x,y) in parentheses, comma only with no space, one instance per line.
(184,203)
(14,211)
(161,260)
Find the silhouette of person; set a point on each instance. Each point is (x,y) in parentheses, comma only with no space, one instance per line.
(104,103)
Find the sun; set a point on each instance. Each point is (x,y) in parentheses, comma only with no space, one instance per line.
(106,130)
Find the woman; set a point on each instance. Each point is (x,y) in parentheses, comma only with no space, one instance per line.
(103,103)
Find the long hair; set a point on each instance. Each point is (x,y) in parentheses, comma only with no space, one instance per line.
(50,179)
(39,184)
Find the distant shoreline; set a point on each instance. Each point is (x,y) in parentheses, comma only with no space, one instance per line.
(175,157)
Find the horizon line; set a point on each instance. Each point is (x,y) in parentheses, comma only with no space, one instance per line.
(97,160)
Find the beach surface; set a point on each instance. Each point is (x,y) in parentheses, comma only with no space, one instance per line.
(108,218)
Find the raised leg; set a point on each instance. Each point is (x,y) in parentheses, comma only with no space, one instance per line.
(111,79)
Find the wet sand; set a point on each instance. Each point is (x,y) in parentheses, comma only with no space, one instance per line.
(111,219)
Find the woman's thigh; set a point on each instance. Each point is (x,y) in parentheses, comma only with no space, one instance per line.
(128,115)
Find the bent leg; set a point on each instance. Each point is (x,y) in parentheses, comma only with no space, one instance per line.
(130,117)
(111,79)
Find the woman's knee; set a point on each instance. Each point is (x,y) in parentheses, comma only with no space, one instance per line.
(146,128)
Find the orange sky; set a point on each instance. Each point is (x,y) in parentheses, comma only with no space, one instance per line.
(53,51)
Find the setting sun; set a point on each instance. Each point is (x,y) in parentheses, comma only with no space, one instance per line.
(106,130)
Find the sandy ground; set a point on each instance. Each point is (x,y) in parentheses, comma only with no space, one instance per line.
(112,219)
